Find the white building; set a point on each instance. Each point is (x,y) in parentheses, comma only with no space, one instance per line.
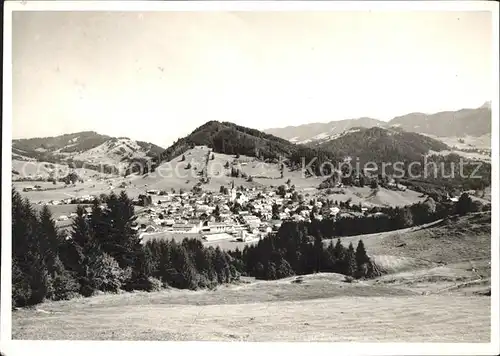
(217,227)
(217,237)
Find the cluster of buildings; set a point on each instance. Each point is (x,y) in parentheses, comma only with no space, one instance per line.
(246,214)
(211,215)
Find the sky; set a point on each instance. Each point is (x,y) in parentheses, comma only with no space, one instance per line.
(156,76)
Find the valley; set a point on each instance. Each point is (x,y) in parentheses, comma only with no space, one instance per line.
(228,191)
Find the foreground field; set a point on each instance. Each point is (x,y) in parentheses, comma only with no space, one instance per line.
(436,289)
(320,308)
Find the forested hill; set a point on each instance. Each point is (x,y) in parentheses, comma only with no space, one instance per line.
(382,145)
(232,139)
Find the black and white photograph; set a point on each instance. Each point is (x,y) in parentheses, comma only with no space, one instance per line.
(234,175)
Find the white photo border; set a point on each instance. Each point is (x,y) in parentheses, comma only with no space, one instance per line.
(16,347)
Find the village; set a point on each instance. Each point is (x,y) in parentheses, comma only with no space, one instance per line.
(238,215)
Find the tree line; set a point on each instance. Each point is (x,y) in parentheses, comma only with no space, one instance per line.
(382,219)
(297,250)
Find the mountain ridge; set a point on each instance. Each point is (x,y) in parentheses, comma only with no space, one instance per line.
(472,122)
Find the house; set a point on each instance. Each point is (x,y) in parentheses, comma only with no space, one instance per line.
(150,228)
(241,198)
(186,228)
(283,216)
(334,210)
(158,221)
(168,222)
(252,221)
(217,227)
(244,236)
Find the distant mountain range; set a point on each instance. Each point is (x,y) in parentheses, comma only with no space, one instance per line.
(376,144)
(465,122)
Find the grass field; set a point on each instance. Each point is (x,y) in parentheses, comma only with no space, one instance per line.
(321,308)
(432,292)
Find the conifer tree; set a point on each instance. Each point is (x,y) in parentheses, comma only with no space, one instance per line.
(81,233)
(361,256)
(339,256)
(350,261)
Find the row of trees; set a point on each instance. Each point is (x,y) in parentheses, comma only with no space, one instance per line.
(381,219)
(102,253)
(295,250)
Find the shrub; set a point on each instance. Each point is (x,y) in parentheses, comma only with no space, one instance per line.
(149,284)
(103,273)
(64,286)
(348,279)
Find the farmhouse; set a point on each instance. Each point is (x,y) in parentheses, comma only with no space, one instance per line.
(186,228)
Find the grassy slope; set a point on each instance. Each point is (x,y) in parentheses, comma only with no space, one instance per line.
(264,311)
(434,257)
(321,308)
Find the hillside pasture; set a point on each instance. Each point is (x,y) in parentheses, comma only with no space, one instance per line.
(320,308)
(466,142)
(175,174)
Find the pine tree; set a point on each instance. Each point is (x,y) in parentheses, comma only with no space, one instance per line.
(221,266)
(361,256)
(217,213)
(339,256)
(350,261)
(31,280)
(185,269)
(81,233)
(318,249)
(464,204)
(362,260)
